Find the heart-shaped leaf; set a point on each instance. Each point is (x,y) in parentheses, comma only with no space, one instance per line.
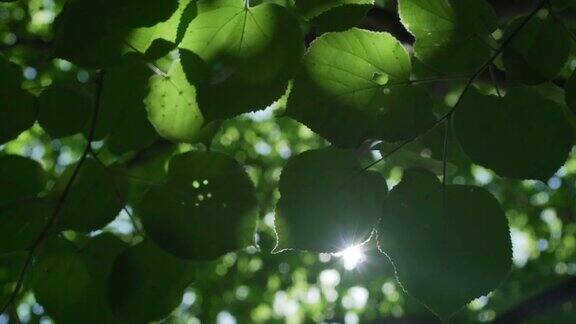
(353,87)
(521,136)
(206,209)
(251,52)
(328,203)
(448,245)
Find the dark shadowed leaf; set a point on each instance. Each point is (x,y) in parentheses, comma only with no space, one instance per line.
(11,76)
(94,33)
(251,51)
(18,110)
(71,283)
(122,110)
(146,283)
(570,91)
(63,111)
(206,209)
(445,255)
(20,178)
(95,199)
(21,224)
(334,15)
(521,136)
(328,203)
(538,53)
(10,268)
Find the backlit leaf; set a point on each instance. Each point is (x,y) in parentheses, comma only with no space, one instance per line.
(353,86)
(328,203)
(251,52)
(451,35)
(172,106)
(444,255)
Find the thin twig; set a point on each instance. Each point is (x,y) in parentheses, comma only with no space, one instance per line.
(60,203)
(473,77)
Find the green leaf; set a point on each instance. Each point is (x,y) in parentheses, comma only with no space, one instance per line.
(537,53)
(63,111)
(444,255)
(207,207)
(93,33)
(334,15)
(17,107)
(172,106)
(95,198)
(451,35)
(353,86)
(21,224)
(124,116)
(521,136)
(170,32)
(72,283)
(251,52)
(328,203)
(570,92)
(18,110)
(10,268)
(20,178)
(146,284)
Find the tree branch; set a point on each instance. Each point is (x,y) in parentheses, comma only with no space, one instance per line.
(60,203)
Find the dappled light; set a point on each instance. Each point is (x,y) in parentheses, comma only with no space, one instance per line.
(287,161)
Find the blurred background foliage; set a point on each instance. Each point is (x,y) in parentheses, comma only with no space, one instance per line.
(254,286)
